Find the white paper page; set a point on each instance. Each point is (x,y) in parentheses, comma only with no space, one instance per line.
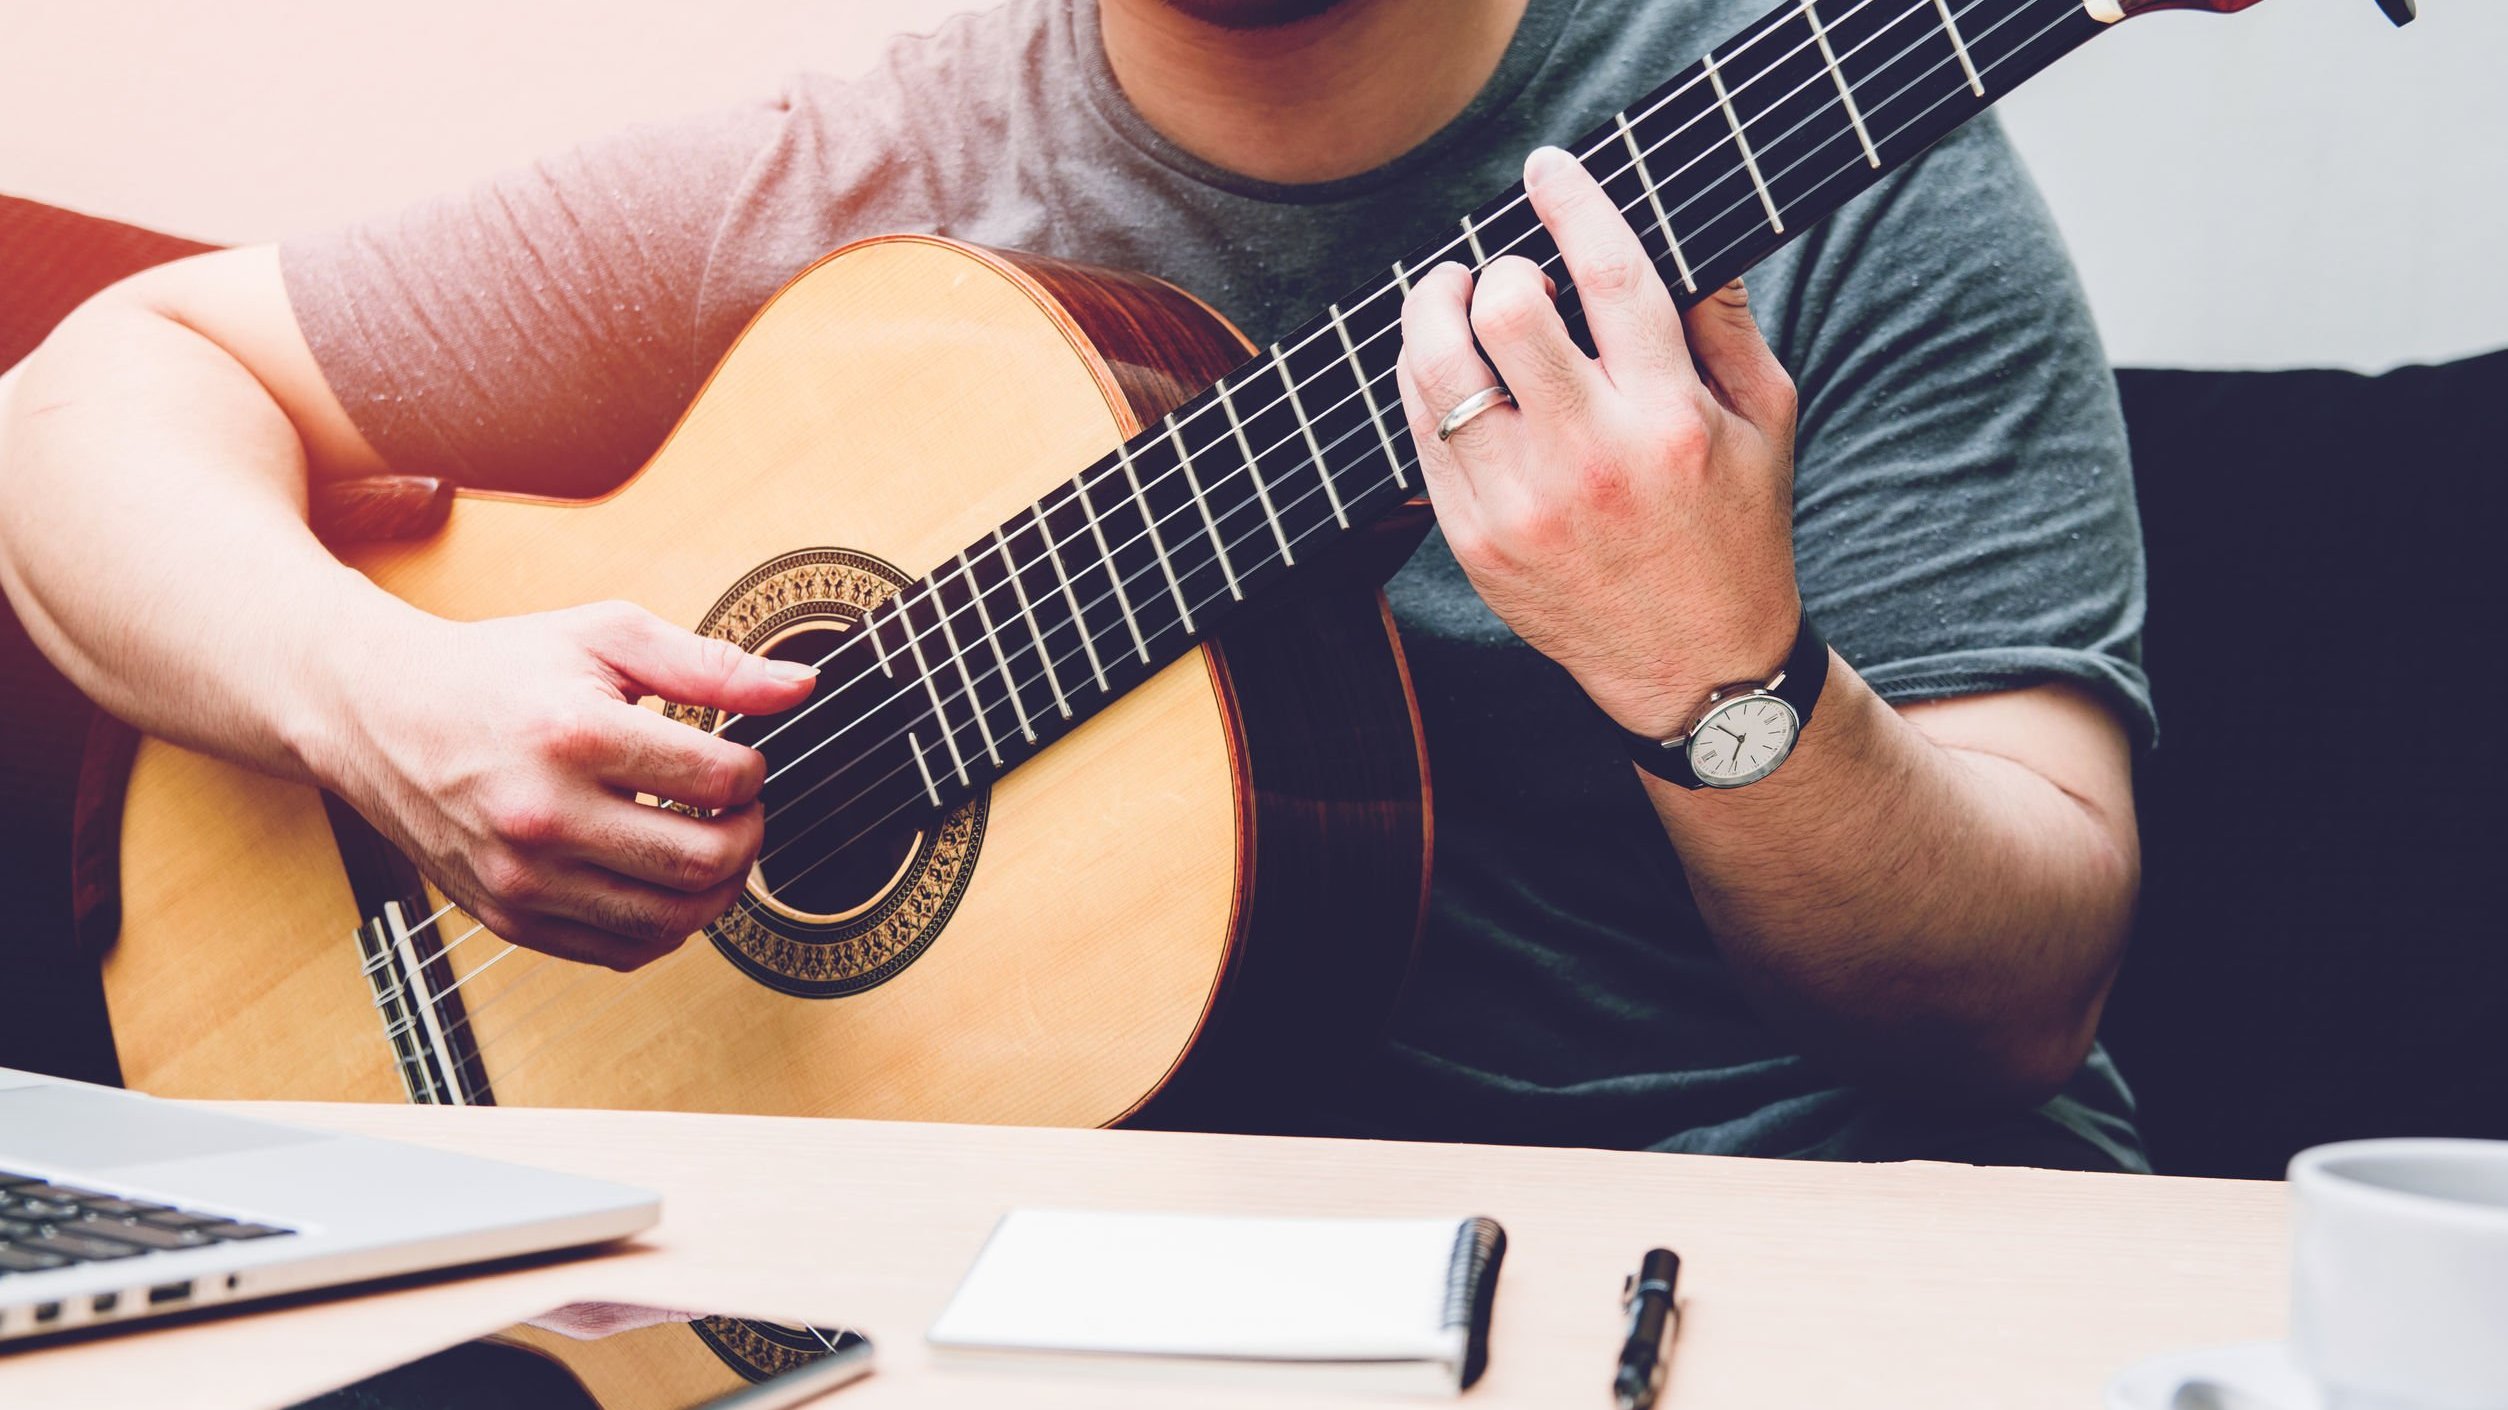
(1195,1285)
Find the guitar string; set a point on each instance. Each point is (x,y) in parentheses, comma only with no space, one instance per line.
(586,972)
(471,1013)
(1122,580)
(1065,496)
(2019,50)
(1887,103)
(437,997)
(973,704)
(440,913)
(1365,385)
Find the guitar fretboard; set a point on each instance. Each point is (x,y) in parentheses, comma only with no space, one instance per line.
(1125,567)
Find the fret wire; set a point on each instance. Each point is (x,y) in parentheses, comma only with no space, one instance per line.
(1654,200)
(894,698)
(1088,639)
(1959,45)
(914,643)
(1471,239)
(1053,680)
(871,629)
(1741,141)
(1262,490)
(1845,93)
(1174,422)
(1306,428)
(929,787)
(1193,481)
(1097,531)
(1367,394)
(1885,57)
(822,693)
(896,610)
(1158,545)
(984,616)
(1799,113)
(2064,15)
(1401,277)
(958,658)
(1890,25)
(2062,18)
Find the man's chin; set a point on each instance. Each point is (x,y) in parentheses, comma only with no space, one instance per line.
(1252,14)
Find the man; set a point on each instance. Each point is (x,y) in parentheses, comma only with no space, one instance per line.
(1895,945)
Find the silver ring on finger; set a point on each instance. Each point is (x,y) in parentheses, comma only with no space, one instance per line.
(1470,407)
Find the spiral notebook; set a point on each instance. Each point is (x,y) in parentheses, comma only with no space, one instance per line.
(1397,1305)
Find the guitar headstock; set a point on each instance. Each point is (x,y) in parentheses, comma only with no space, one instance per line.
(2402,12)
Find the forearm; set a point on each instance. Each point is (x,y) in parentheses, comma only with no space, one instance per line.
(1919,913)
(153,536)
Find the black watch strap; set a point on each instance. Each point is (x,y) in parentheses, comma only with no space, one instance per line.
(1806,674)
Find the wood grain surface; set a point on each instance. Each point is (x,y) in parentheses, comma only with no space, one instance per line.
(1932,1287)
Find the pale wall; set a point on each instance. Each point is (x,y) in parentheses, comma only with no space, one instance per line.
(2301,184)
(2294,185)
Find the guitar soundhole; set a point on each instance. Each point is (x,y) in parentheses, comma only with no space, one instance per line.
(814,872)
(830,910)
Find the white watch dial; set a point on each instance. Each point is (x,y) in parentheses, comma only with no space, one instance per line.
(1742,741)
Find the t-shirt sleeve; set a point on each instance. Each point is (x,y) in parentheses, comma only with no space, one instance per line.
(1964,500)
(539,332)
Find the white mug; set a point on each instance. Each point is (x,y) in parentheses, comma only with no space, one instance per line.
(2399,1276)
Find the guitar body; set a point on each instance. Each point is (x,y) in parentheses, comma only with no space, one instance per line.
(1222,870)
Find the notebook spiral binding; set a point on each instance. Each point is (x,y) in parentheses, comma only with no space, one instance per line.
(1472,1288)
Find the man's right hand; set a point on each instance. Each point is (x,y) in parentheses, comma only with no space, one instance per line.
(166,435)
(506,756)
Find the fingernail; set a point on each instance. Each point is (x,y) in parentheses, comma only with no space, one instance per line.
(1544,164)
(791,672)
(1737,292)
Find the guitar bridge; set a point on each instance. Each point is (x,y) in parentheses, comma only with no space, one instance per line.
(417,1022)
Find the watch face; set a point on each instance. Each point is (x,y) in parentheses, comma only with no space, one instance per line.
(1742,741)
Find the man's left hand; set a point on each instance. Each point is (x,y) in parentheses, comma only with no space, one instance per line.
(1631,516)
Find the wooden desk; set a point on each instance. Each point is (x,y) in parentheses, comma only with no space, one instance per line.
(1935,1286)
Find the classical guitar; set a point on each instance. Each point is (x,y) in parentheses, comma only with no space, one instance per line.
(1110,801)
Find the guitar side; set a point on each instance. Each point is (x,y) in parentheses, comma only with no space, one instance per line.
(1226,862)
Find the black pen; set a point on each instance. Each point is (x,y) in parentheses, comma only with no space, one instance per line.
(1648,1298)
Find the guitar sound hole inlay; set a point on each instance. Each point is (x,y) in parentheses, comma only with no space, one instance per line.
(826,915)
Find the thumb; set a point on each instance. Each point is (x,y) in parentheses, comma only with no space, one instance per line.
(1735,359)
(653,657)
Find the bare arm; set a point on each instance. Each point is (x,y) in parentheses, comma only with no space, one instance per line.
(141,460)
(155,455)
(1934,899)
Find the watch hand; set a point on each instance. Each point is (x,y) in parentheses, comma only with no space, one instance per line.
(1736,738)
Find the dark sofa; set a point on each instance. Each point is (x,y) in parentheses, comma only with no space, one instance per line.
(2316,956)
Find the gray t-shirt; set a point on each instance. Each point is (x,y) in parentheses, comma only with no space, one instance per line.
(1964,512)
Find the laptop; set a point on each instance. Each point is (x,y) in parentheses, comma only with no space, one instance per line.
(116,1206)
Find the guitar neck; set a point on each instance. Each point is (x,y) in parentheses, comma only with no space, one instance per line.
(1150,550)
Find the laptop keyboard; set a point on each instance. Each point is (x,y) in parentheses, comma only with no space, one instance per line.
(44,1226)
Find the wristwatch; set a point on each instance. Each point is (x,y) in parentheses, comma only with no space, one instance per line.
(1744,731)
